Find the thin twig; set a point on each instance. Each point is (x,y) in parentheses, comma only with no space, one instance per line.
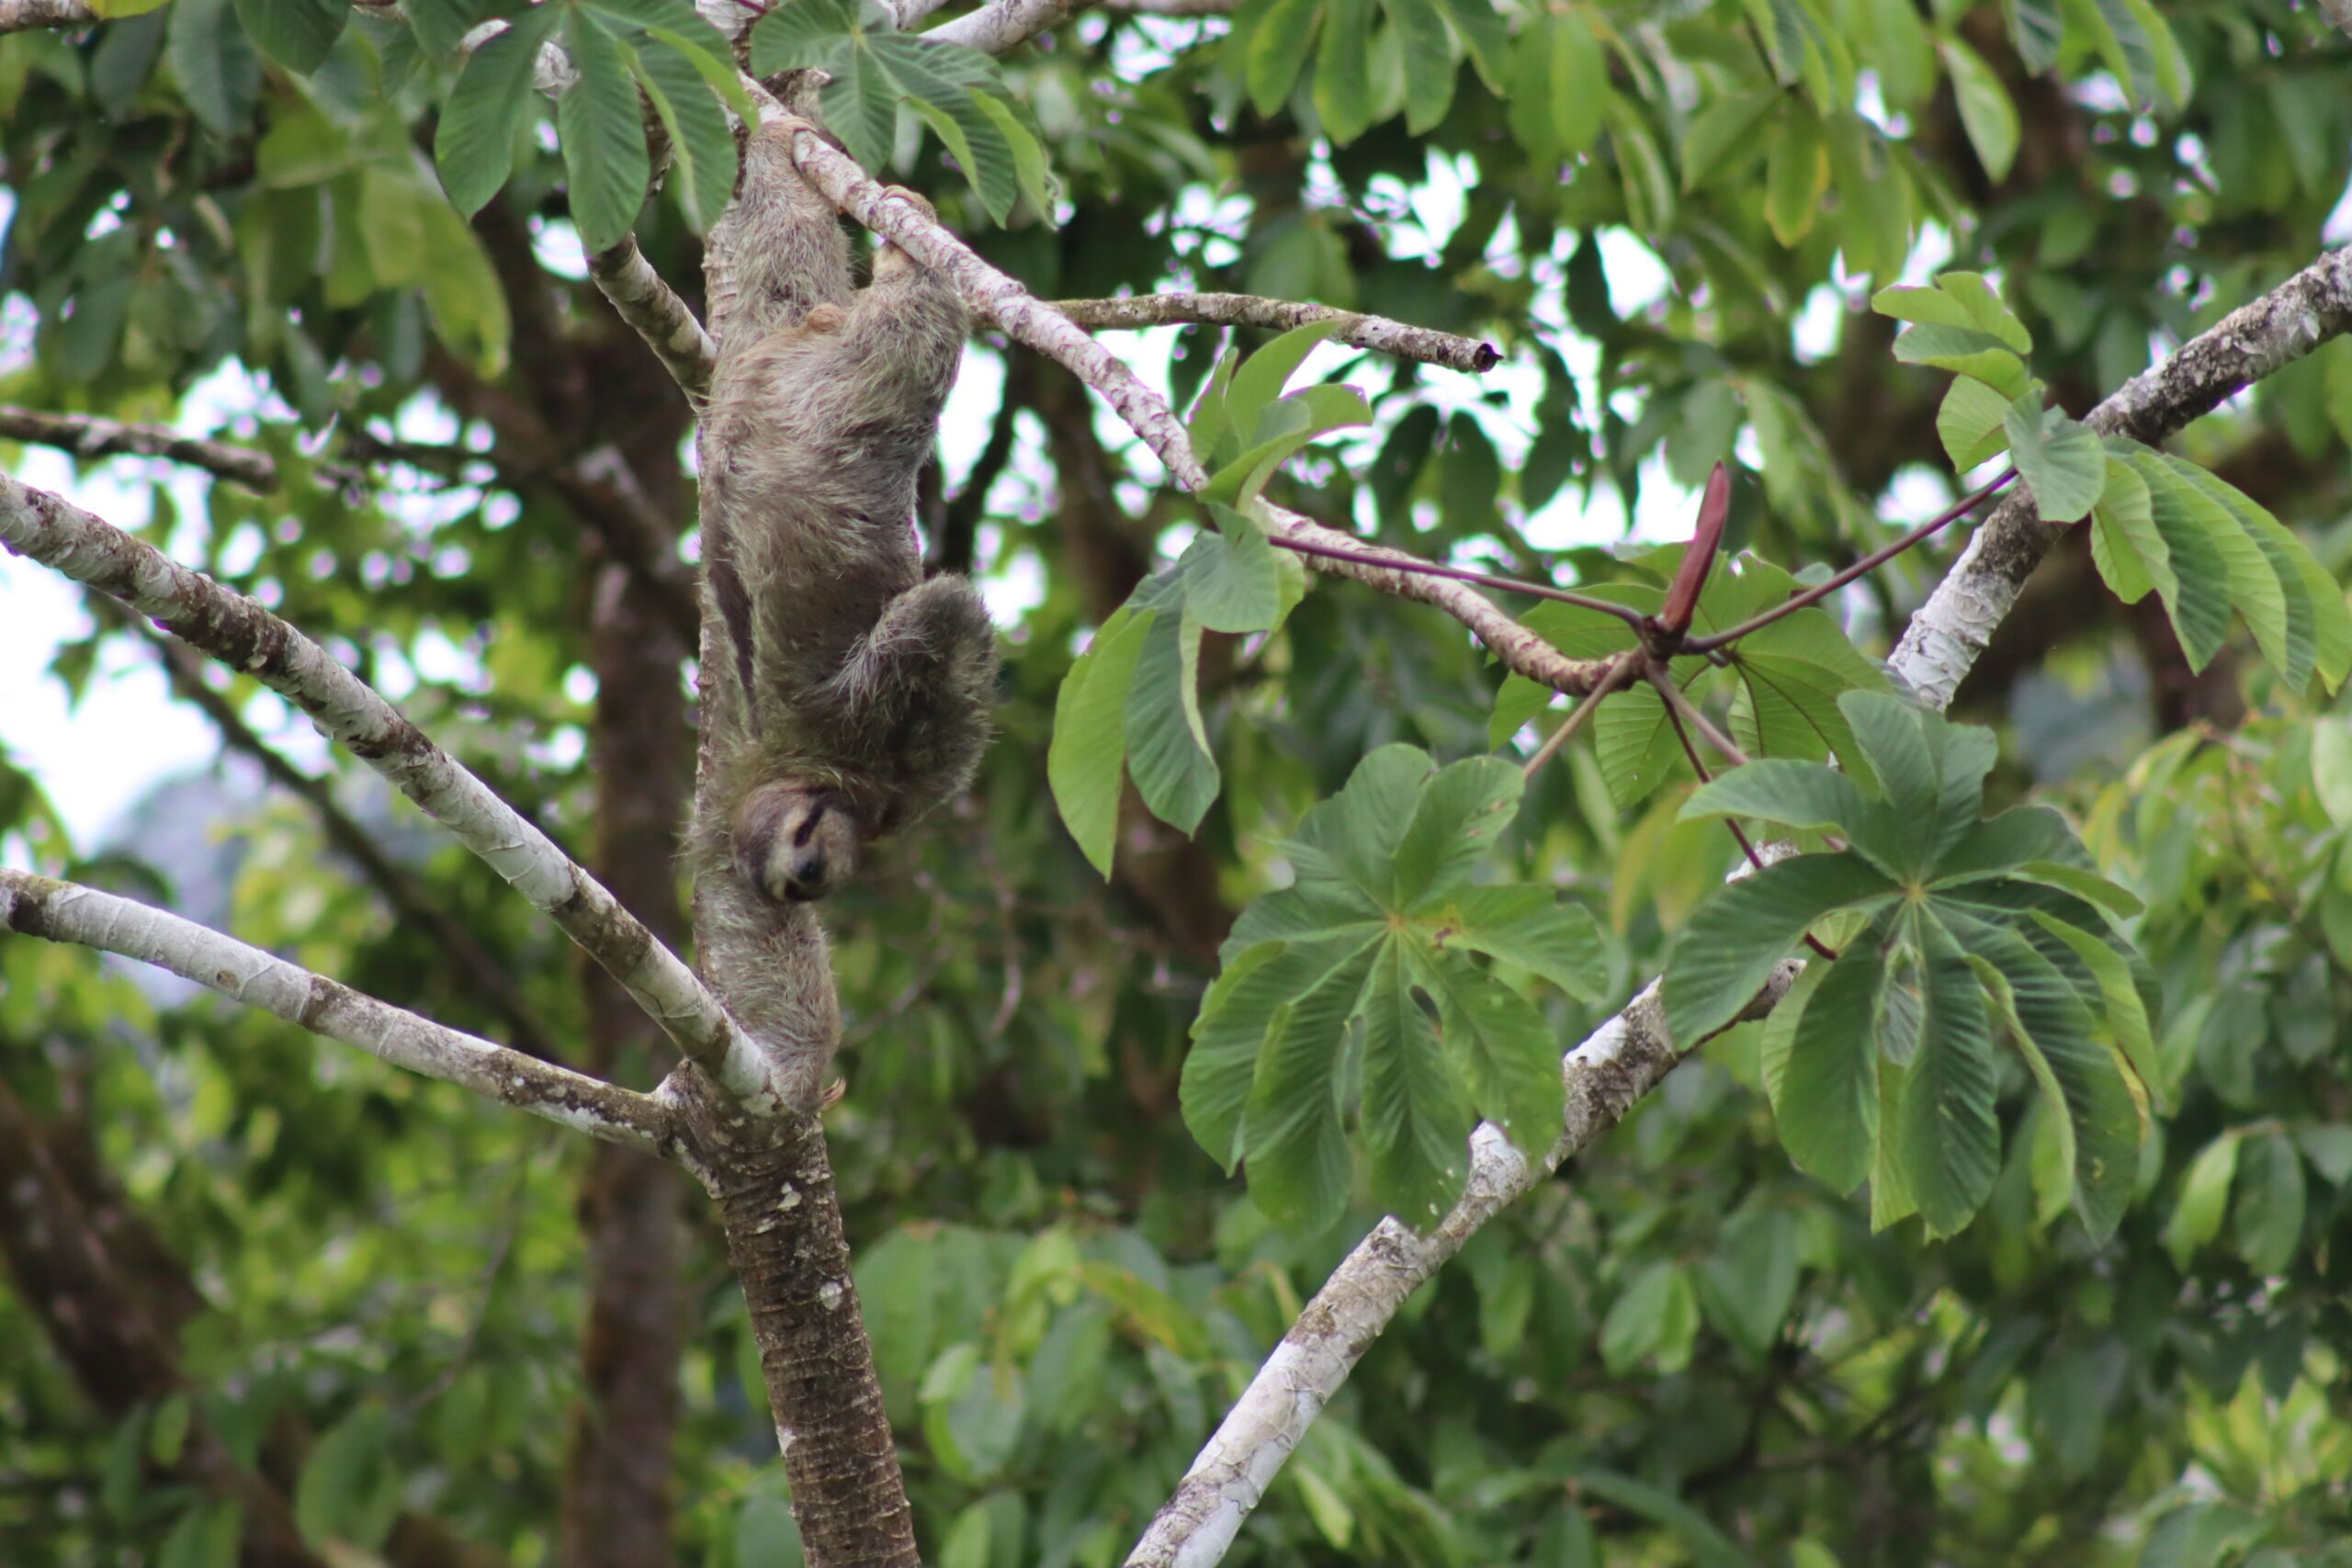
(1678,702)
(1612,677)
(1868,563)
(1396,560)
(1377,334)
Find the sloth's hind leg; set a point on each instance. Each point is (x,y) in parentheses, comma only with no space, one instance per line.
(919,685)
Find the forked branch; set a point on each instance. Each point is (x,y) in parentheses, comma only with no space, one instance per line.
(67,912)
(242,635)
(996,299)
(1631,1054)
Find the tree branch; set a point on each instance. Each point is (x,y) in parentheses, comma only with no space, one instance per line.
(242,634)
(999,300)
(1004,25)
(1951,628)
(18,15)
(474,968)
(1630,1055)
(663,320)
(1377,334)
(65,912)
(87,436)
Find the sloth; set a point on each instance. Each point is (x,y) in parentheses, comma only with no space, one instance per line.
(848,693)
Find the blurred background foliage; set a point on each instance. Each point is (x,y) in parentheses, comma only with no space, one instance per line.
(237,1252)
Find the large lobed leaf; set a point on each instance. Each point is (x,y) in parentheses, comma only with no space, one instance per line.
(1879,1064)
(1367,957)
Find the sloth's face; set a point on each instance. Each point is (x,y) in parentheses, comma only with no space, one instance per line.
(795,844)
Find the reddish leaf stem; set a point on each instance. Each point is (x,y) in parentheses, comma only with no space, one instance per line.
(1678,707)
(1631,617)
(1868,563)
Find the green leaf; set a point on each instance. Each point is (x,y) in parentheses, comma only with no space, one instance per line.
(1260,379)
(2271,1203)
(349,1490)
(699,140)
(1364,825)
(1168,744)
(1291,1135)
(1728,948)
(1750,1281)
(1642,173)
(1480,27)
(296,34)
(1828,1106)
(1795,795)
(1970,422)
(1431,53)
(1559,86)
(1946,1140)
(1230,1030)
(1526,925)
(2059,458)
(2035,28)
(1985,112)
(1280,43)
(1285,425)
(1780,1032)
(1956,300)
(2127,1015)
(1501,1046)
(602,131)
(2204,1198)
(2078,1075)
(2332,769)
(2329,1148)
(1931,773)
(1343,87)
(219,75)
(2200,603)
(1417,1115)
(2319,629)
(1028,157)
(474,145)
(1231,583)
(2087,885)
(1088,757)
(1723,123)
(1656,1315)
(2198,527)
(1792,675)
(1633,740)
(1797,171)
(440,26)
(2125,546)
(2265,587)
(944,82)
(1462,809)
(1965,350)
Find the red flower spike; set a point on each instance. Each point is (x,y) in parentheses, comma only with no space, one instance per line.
(1682,598)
